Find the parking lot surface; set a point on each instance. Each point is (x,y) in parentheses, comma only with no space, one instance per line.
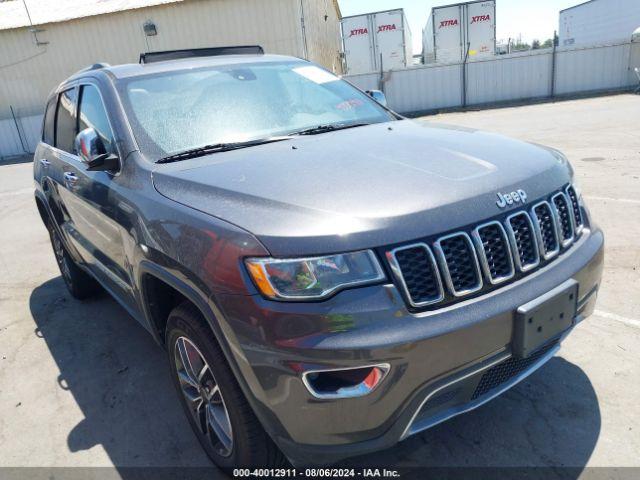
(82,384)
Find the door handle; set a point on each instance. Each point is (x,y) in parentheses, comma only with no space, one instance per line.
(70,179)
(45,163)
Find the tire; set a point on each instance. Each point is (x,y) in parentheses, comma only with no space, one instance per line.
(248,445)
(79,283)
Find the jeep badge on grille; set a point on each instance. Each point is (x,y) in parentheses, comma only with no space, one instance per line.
(504,199)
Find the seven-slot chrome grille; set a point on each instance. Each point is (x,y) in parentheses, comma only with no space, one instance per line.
(461,263)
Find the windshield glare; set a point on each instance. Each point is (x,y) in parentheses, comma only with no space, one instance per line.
(182,110)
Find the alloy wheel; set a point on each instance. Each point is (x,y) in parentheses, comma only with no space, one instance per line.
(203,396)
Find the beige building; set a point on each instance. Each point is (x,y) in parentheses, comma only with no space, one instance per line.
(43,45)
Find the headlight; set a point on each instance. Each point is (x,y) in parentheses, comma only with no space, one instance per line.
(315,277)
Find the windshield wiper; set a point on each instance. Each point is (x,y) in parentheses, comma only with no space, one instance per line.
(328,128)
(216,148)
(225,147)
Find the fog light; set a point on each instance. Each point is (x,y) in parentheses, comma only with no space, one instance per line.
(345,383)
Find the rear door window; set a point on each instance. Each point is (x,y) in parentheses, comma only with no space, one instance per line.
(94,115)
(66,120)
(48,130)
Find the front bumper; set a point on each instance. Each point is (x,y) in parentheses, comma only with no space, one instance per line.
(438,358)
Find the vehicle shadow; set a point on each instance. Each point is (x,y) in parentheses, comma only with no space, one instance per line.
(16,159)
(119,378)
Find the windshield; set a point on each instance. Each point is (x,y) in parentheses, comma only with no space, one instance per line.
(187,109)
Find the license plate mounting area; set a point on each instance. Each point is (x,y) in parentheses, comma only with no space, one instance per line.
(541,320)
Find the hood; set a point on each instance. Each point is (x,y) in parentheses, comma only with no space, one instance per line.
(362,187)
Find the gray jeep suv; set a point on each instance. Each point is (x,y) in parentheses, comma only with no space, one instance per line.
(327,277)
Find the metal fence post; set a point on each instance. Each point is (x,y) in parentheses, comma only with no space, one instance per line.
(15,121)
(553,64)
(464,76)
(381,81)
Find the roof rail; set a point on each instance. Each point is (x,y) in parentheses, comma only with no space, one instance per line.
(151,57)
(95,66)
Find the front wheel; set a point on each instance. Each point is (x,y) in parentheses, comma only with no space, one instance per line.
(215,406)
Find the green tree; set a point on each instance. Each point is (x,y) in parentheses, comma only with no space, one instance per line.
(520,46)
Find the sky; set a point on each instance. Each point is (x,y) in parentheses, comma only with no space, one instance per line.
(533,19)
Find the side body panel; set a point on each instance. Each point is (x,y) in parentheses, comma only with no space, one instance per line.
(91,224)
(97,207)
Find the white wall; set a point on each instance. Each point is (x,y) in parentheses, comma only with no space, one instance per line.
(588,69)
(505,78)
(420,88)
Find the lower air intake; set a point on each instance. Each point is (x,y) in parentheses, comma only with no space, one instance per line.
(505,371)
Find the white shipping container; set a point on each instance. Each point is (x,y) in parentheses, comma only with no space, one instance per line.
(451,29)
(374,41)
(443,35)
(599,22)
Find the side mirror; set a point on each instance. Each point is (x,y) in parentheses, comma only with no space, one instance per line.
(378,96)
(91,150)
